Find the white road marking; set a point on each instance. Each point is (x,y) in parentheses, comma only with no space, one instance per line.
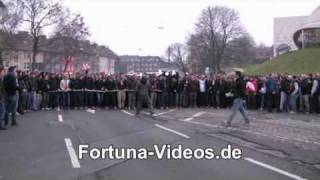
(173,131)
(194,116)
(272,168)
(166,112)
(126,112)
(252,132)
(60,118)
(72,153)
(91,111)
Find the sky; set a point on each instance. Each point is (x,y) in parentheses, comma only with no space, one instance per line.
(148,27)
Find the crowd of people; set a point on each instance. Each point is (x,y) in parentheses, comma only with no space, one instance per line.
(24,91)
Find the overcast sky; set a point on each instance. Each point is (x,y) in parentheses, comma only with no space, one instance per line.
(147,27)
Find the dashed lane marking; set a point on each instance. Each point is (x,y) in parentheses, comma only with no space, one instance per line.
(166,112)
(272,168)
(72,153)
(126,112)
(60,118)
(194,116)
(173,131)
(92,111)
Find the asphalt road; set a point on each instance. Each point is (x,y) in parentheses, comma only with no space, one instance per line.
(45,146)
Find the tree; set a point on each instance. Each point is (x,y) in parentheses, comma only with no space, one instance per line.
(9,22)
(168,53)
(178,55)
(71,29)
(240,51)
(218,25)
(198,52)
(40,14)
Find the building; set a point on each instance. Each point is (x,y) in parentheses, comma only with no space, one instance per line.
(293,33)
(51,56)
(141,64)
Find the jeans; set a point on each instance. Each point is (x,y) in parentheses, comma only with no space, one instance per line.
(262,100)
(164,99)
(45,100)
(305,103)
(121,95)
(23,101)
(293,102)
(193,99)
(154,98)
(284,101)
(32,100)
(237,106)
(314,101)
(179,99)
(2,110)
(272,101)
(10,106)
(99,99)
(65,99)
(131,99)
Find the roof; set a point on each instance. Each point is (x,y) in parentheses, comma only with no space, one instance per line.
(23,41)
(139,58)
(313,21)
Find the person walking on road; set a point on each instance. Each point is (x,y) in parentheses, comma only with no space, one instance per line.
(238,94)
(143,95)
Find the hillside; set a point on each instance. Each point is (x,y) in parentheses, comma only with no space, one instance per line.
(297,62)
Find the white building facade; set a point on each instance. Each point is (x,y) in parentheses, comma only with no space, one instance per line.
(289,33)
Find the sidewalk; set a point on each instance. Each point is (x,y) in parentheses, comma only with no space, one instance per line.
(298,129)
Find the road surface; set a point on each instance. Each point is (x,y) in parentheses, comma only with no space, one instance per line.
(45,146)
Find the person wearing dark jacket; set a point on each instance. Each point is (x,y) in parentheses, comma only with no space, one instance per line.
(99,85)
(315,92)
(111,99)
(88,85)
(2,98)
(76,86)
(272,89)
(44,88)
(163,87)
(23,93)
(32,92)
(305,91)
(143,90)
(180,93)
(11,87)
(284,94)
(193,88)
(54,97)
(238,94)
(131,84)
